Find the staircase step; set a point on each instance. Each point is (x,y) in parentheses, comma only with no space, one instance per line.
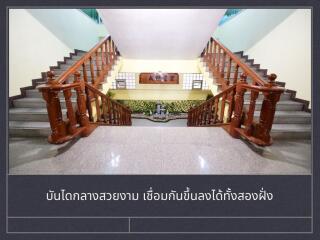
(281,105)
(288,117)
(30,114)
(285,96)
(296,131)
(34,93)
(29,129)
(36,103)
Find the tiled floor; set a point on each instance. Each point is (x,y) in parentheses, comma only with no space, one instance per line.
(157,150)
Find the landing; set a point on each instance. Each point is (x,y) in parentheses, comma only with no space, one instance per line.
(157,150)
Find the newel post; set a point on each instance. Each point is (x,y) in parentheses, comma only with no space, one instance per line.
(238,108)
(268,109)
(81,101)
(58,127)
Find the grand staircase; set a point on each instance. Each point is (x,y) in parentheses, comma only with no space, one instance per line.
(71,99)
(28,114)
(249,103)
(292,117)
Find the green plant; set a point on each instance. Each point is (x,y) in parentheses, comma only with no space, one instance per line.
(110,94)
(147,106)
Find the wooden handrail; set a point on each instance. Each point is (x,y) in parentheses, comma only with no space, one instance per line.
(247,70)
(230,100)
(96,91)
(79,63)
(92,107)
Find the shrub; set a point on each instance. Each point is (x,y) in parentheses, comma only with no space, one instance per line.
(145,106)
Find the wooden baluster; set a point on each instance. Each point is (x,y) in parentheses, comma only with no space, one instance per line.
(107,53)
(250,115)
(239,99)
(81,101)
(231,100)
(111,51)
(235,76)
(88,93)
(91,70)
(109,111)
(214,54)
(103,56)
(58,128)
(210,112)
(71,126)
(104,109)
(97,63)
(229,71)
(218,60)
(268,109)
(216,106)
(223,65)
(97,103)
(207,49)
(223,104)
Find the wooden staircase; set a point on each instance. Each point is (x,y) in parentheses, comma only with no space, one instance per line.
(69,102)
(250,104)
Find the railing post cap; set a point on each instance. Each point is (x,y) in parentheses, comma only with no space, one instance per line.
(243,77)
(272,77)
(50,74)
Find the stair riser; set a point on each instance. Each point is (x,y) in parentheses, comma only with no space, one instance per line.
(40,104)
(280,107)
(17,132)
(291,135)
(29,117)
(37,94)
(288,120)
(58,72)
(284,97)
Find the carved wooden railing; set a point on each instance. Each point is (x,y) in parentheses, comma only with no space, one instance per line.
(235,78)
(213,111)
(81,82)
(109,112)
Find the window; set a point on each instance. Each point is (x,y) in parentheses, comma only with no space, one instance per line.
(128,77)
(193,81)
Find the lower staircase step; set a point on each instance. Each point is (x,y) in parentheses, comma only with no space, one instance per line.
(288,117)
(30,114)
(296,131)
(29,129)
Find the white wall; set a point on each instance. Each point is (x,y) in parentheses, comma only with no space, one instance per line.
(38,38)
(176,66)
(248,27)
(32,49)
(71,26)
(286,51)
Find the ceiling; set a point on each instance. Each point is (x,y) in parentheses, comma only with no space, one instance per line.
(161,33)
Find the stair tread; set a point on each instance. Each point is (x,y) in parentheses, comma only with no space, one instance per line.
(39,99)
(284,102)
(30,110)
(291,127)
(288,114)
(28,124)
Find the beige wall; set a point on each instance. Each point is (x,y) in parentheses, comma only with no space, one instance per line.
(32,49)
(177,66)
(286,51)
(160,94)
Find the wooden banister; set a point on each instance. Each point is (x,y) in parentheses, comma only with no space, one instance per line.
(240,119)
(91,107)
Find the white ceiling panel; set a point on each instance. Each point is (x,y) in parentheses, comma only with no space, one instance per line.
(161,33)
